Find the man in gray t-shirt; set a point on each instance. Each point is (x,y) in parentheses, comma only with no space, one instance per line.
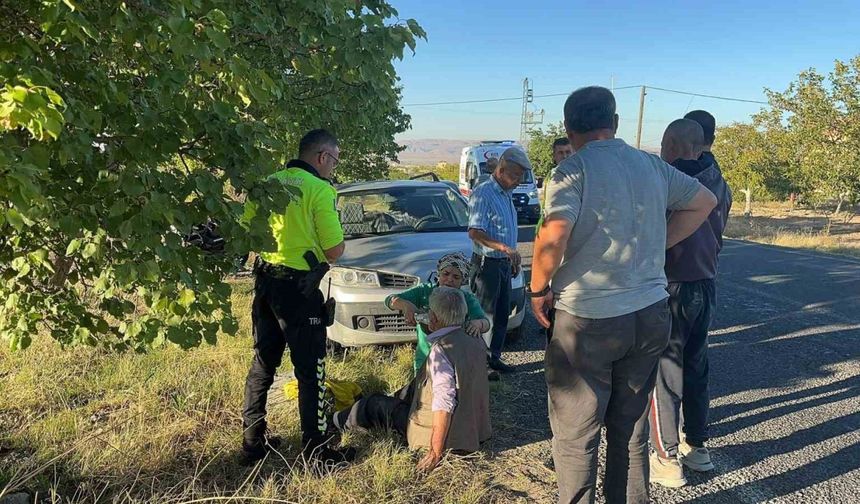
(598,284)
(618,197)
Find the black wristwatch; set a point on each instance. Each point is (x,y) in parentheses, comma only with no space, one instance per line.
(543,292)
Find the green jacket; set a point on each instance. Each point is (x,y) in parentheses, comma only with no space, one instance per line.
(420,297)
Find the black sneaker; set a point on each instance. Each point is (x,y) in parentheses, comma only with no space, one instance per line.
(253,453)
(324,458)
(497,364)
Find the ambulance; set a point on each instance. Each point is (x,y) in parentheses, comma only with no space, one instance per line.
(474,171)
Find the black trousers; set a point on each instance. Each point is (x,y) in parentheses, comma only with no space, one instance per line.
(599,373)
(282,316)
(379,411)
(491,283)
(682,376)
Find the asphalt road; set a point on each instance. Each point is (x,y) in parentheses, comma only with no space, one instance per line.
(785,386)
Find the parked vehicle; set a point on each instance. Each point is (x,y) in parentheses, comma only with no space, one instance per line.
(474,170)
(395,232)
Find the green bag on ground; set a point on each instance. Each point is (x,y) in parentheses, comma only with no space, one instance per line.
(341,393)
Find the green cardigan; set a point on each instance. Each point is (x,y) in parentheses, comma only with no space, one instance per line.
(420,297)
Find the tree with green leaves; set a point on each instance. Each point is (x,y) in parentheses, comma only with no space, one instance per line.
(821,118)
(540,147)
(124,124)
(745,158)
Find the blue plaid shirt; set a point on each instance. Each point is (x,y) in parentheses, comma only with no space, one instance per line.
(492,211)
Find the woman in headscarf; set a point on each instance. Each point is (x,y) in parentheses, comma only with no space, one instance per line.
(452,270)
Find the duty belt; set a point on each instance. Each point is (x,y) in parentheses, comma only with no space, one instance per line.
(278,271)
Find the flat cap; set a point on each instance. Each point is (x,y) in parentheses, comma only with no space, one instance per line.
(517,156)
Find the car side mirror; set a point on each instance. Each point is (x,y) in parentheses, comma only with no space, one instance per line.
(540,182)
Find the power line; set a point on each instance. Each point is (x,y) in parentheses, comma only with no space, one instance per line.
(552,95)
(568,94)
(463,102)
(513,98)
(727,98)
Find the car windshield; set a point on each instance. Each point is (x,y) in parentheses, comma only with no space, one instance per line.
(402,210)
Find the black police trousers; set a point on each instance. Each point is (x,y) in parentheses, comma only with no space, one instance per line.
(282,316)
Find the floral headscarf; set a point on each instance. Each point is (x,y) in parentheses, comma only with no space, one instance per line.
(456,260)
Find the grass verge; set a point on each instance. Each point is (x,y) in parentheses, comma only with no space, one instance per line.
(777,224)
(84,425)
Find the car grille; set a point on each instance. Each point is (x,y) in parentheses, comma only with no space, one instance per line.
(392,323)
(520,199)
(396,281)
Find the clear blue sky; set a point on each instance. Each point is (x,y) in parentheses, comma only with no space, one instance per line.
(484,49)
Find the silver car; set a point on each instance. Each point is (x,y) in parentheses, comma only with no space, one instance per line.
(395,232)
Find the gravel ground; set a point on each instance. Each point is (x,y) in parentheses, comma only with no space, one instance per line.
(785,377)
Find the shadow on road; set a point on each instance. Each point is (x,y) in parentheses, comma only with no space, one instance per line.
(783,342)
(800,478)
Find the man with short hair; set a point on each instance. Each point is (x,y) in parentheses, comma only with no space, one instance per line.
(691,267)
(283,313)
(709,127)
(495,259)
(603,246)
(446,406)
(708,124)
(561,150)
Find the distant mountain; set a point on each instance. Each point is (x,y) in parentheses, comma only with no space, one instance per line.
(430,151)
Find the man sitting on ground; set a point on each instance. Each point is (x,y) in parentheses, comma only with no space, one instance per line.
(446,407)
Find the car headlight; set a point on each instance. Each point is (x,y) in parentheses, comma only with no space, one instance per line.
(352,277)
(533,194)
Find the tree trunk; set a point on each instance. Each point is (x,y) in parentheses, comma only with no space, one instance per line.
(62,267)
(839,205)
(747,201)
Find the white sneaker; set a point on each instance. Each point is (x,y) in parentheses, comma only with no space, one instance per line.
(697,459)
(667,472)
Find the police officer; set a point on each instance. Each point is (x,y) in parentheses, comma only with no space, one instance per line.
(282,315)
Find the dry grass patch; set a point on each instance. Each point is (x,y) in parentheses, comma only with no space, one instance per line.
(803,228)
(85,425)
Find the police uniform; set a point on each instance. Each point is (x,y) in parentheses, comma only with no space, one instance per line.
(282,315)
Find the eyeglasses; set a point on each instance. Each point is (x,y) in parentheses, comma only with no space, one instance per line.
(336,160)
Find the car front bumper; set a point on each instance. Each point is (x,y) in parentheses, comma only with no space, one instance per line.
(361,318)
(529,212)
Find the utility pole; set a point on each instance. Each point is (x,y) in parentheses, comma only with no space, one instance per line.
(528,117)
(641,115)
